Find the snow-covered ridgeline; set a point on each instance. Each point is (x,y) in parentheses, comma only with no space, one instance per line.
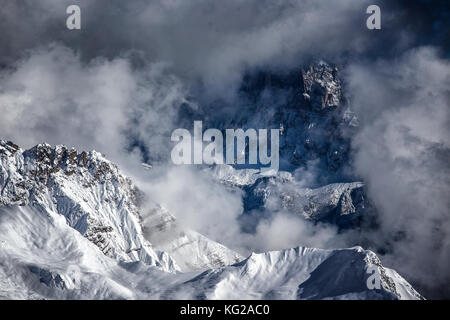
(70,229)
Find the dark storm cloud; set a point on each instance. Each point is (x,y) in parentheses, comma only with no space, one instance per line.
(206,40)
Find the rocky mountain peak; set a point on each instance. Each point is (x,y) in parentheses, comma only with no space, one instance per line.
(84,187)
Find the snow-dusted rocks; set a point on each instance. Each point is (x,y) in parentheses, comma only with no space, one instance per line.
(322,86)
(339,203)
(302,273)
(308,106)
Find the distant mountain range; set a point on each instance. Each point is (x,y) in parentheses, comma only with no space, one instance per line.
(71,228)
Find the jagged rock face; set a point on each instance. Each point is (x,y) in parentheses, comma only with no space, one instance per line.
(309,108)
(316,123)
(307,105)
(316,126)
(88,190)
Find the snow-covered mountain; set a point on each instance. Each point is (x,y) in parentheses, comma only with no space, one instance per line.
(307,104)
(85,188)
(101,204)
(71,228)
(42,257)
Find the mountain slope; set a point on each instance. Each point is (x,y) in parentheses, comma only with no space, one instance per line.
(191,250)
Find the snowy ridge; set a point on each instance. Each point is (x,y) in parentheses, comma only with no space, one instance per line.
(103,205)
(334,201)
(302,273)
(41,257)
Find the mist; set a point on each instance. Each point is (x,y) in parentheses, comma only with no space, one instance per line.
(402,152)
